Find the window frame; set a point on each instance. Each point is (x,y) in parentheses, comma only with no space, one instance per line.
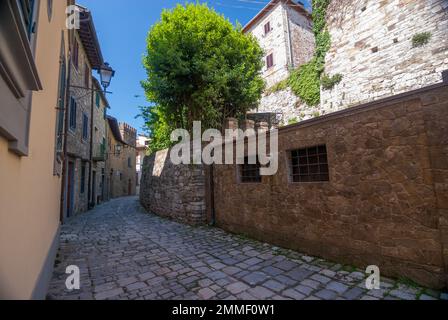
(257,178)
(270,58)
(85,126)
(267,28)
(303,153)
(73,114)
(18,72)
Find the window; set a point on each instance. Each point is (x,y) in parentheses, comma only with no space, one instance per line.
(19,74)
(85,126)
(97,99)
(129,162)
(267,28)
(310,164)
(83,178)
(270,61)
(73,107)
(250,173)
(86,76)
(75,57)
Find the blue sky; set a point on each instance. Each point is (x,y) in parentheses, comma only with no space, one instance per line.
(122,26)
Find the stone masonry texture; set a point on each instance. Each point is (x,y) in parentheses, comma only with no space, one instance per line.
(125,253)
(371,47)
(173,191)
(385,204)
(287,26)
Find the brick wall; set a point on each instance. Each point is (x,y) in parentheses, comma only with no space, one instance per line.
(385,204)
(175,192)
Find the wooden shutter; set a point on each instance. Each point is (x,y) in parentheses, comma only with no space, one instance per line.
(267,28)
(270,60)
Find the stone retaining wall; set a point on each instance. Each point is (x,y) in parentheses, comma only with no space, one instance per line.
(175,192)
(386,201)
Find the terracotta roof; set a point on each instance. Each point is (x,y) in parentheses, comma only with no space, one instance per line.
(89,39)
(270,6)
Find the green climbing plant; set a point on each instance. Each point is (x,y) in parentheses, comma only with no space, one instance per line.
(328,82)
(305,81)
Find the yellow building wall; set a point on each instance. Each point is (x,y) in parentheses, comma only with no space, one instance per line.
(29,192)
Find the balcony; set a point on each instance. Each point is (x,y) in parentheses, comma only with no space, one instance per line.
(100,155)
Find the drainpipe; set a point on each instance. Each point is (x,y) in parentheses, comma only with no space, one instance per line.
(90,201)
(64,152)
(288,30)
(212,196)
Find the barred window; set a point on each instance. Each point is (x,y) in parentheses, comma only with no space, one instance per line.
(250,173)
(310,164)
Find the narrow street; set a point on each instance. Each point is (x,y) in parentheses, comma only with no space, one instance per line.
(125,253)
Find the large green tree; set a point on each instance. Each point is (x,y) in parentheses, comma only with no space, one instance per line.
(199,68)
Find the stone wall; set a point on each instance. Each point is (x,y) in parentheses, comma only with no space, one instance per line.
(372,48)
(288,105)
(78,147)
(385,203)
(291,34)
(173,191)
(301,37)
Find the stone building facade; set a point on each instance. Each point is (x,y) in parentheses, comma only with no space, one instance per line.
(284,31)
(78,130)
(141,148)
(85,129)
(99,146)
(372,48)
(121,175)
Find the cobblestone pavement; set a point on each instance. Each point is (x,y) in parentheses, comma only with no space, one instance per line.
(125,253)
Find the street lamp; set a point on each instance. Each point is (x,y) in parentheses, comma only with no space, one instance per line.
(106,74)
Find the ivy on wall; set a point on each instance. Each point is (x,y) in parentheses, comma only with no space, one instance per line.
(328,82)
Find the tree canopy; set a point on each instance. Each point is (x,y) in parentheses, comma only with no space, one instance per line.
(200,67)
